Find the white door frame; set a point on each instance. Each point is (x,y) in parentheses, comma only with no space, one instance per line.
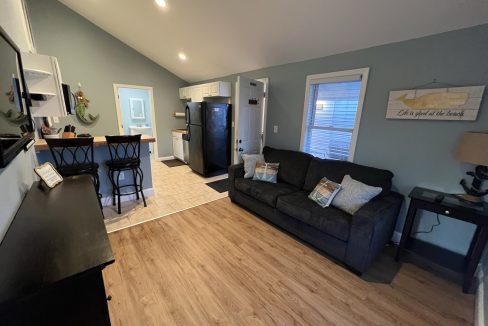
(265,81)
(153,114)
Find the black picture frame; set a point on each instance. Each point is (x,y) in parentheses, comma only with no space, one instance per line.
(11,146)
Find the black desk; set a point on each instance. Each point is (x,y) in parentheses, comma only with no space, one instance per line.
(52,256)
(453,207)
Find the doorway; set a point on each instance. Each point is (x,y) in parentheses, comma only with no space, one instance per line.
(135,112)
(250,116)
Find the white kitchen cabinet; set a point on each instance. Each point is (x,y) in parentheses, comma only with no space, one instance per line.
(205,90)
(220,89)
(15,22)
(43,79)
(185,93)
(198,93)
(178,151)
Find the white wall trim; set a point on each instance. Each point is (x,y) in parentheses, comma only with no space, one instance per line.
(166,158)
(153,113)
(107,201)
(265,81)
(364,72)
(479,308)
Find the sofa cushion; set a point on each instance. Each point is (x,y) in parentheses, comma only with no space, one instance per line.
(336,170)
(293,165)
(330,220)
(264,191)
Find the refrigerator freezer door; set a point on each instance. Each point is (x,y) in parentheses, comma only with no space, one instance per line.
(217,137)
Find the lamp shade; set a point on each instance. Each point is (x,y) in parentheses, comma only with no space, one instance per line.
(473,148)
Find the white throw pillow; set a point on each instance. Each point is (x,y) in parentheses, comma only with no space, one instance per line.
(354,195)
(250,161)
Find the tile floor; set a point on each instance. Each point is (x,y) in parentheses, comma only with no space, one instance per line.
(175,189)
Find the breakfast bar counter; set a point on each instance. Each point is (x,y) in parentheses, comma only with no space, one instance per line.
(102,155)
(41,144)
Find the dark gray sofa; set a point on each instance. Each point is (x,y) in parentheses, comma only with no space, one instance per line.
(355,239)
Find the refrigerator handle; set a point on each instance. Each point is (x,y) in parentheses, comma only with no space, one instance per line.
(188,134)
(187,115)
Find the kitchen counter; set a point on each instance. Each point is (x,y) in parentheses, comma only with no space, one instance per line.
(182,131)
(41,144)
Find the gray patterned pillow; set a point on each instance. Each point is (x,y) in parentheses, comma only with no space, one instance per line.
(354,195)
(250,161)
(324,192)
(267,172)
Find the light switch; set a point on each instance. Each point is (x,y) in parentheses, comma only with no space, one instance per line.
(275,129)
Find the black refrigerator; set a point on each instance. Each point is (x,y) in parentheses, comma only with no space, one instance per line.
(208,128)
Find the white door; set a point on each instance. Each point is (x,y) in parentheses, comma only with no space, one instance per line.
(249,117)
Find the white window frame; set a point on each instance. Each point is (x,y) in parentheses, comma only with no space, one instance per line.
(338,75)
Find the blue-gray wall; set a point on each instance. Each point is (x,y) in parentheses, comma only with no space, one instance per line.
(17,178)
(102,155)
(89,55)
(418,152)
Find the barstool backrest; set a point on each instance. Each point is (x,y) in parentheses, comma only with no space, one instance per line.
(124,148)
(69,152)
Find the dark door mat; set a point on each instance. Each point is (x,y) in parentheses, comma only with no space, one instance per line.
(173,163)
(219,185)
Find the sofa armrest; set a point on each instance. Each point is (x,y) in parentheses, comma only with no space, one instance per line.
(235,171)
(371,228)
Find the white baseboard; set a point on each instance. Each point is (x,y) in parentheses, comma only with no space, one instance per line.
(166,158)
(479,308)
(396,237)
(107,201)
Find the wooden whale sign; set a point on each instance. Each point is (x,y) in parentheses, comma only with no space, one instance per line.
(455,103)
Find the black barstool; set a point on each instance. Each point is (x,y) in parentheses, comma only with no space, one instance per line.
(125,152)
(74,156)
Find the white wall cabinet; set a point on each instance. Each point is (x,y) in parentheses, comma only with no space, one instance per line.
(178,151)
(185,93)
(43,78)
(198,93)
(15,21)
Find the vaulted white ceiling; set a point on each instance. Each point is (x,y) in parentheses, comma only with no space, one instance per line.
(222,37)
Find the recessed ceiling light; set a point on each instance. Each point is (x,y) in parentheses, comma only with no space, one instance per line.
(161,3)
(182,56)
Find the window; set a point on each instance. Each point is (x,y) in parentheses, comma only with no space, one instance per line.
(332,111)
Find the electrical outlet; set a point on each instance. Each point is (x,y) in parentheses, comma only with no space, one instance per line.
(275,129)
(56,119)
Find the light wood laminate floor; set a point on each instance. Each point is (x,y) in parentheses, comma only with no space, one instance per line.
(217,264)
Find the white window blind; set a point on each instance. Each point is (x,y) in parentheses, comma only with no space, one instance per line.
(331,116)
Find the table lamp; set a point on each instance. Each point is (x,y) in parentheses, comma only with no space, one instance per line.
(473,148)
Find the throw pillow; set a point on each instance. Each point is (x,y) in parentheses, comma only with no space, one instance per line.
(324,192)
(267,172)
(250,161)
(354,195)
